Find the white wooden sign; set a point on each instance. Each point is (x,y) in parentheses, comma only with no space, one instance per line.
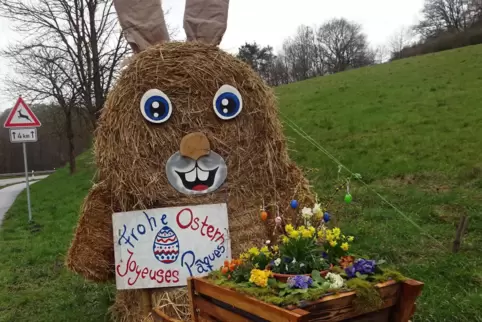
(23,135)
(162,247)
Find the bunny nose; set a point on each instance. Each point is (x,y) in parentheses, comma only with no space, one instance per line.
(194,146)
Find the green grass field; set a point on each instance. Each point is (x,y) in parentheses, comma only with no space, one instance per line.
(411,129)
(34,285)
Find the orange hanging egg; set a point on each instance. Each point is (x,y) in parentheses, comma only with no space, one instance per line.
(264,215)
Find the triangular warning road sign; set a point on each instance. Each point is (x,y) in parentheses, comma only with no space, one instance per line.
(21,116)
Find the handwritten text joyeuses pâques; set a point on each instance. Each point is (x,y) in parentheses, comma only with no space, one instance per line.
(185,219)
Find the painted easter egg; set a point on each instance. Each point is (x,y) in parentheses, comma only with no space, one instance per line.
(166,246)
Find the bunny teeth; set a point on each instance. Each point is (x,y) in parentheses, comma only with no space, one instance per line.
(202,175)
(191,176)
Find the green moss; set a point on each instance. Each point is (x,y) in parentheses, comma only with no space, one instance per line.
(367,296)
(389,274)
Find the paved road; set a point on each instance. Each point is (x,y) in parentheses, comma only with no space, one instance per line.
(8,196)
(6,182)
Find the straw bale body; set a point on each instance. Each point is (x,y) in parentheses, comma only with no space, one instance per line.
(131,156)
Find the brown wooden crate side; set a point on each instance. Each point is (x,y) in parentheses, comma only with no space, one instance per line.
(217,312)
(249,304)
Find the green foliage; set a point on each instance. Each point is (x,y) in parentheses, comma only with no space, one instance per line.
(35,285)
(412,129)
(299,254)
(367,297)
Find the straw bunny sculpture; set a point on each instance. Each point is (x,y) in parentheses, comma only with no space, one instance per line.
(184,103)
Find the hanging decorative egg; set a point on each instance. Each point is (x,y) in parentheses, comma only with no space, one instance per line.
(348,198)
(264,215)
(166,246)
(278,220)
(294,204)
(326,217)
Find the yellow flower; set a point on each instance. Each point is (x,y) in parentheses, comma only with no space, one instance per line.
(265,250)
(333,243)
(289,228)
(321,234)
(294,234)
(254,251)
(344,246)
(329,235)
(275,248)
(312,229)
(301,228)
(351,238)
(336,232)
(260,277)
(307,233)
(244,256)
(285,239)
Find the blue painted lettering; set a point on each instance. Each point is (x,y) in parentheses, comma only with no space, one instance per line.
(151,220)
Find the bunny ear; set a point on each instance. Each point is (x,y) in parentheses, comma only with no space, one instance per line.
(142,22)
(206,20)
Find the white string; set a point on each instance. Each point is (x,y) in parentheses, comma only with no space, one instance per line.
(304,135)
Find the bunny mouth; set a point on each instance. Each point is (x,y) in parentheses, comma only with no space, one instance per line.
(195,177)
(198,179)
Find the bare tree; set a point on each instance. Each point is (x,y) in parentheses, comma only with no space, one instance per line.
(401,38)
(300,54)
(81,33)
(441,16)
(343,45)
(44,73)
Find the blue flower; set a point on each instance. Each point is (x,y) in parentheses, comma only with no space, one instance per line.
(299,281)
(362,266)
(324,255)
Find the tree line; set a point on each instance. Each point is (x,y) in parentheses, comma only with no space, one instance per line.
(72,51)
(335,46)
(445,24)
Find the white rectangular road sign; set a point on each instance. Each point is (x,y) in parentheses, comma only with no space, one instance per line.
(23,135)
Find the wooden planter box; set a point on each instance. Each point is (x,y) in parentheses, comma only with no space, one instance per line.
(210,302)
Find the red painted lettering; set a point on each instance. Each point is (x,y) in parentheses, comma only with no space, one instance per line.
(175,274)
(137,272)
(196,221)
(178,220)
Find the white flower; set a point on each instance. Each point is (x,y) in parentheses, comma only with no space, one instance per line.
(317,208)
(277,261)
(306,212)
(336,281)
(293,261)
(302,265)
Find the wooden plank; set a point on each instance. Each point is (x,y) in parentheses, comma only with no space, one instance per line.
(404,310)
(340,307)
(192,306)
(217,312)
(378,316)
(249,304)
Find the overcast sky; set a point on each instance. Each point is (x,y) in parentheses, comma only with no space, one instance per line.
(269,22)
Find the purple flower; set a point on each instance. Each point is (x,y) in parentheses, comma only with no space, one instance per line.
(299,281)
(324,255)
(350,271)
(362,266)
(365,266)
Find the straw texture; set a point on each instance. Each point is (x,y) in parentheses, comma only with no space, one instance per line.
(131,155)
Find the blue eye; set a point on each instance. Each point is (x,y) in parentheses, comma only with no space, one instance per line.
(227,102)
(156,106)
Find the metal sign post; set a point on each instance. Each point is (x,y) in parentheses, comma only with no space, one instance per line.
(26,181)
(23,124)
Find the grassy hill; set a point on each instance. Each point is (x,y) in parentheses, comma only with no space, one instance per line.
(411,129)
